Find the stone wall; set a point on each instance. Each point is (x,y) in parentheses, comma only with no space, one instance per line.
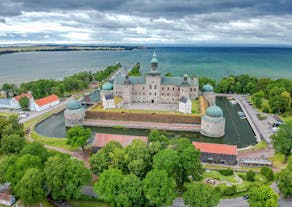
(145,117)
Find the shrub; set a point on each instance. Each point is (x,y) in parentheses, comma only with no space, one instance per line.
(226,172)
(250,176)
(268,173)
(231,190)
(242,176)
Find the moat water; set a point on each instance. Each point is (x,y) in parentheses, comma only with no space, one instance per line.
(237,132)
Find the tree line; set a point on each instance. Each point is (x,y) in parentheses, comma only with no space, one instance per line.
(42,88)
(35,173)
(151,174)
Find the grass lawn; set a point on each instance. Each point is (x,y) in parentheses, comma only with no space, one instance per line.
(278,161)
(98,107)
(195,106)
(7,114)
(216,175)
(261,145)
(82,203)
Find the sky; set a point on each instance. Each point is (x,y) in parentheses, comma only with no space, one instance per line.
(146,22)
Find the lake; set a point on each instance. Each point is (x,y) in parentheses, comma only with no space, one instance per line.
(213,62)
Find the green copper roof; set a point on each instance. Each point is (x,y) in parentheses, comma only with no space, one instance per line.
(214,111)
(107,86)
(154,58)
(207,88)
(178,81)
(133,80)
(74,105)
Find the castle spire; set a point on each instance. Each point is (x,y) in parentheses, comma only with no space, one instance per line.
(154,61)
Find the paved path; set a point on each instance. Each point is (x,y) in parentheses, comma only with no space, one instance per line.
(143,125)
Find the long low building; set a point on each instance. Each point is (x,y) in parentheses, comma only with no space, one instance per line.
(100,140)
(217,153)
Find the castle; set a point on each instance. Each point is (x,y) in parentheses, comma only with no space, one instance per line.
(155,89)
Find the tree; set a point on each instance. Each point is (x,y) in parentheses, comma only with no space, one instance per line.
(12,144)
(64,176)
(167,160)
(285,180)
(24,102)
(108,185)
(280,103)
(157,136)
(200,195)
(159,189)
(36,149)
(77,136)
(119,189)
(263,196)
(268,173)
(16,171)
(5,163)
(257,98)
(282,140)
(250,176)
(30,188)
(189,161)
(137,158)
(135,71)
(131,192)
(168,75)
(104,158)
(204,80)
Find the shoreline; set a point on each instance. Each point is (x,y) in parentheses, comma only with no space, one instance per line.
(51,48)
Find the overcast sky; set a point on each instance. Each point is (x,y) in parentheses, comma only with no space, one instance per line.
(146,21)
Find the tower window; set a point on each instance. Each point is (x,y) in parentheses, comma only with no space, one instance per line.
(155,87)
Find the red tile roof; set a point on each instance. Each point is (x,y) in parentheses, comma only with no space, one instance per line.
(101,140)
(216,148)
(5,197)
(28,95)
(46,100)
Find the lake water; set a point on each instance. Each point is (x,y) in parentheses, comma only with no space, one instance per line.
(213,62)
(237,132)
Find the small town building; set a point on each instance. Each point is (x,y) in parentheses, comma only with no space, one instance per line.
(8,103)
(213,122)
(208,93)
(45,103)
(74,114)
(185,105)
(255,162)
(100,140)
(7,199)
(108,101)
(217,153)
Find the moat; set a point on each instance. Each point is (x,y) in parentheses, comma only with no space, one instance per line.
(237,132)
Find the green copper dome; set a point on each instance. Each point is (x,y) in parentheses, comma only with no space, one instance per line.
(107,86)
(214,111)
(74,105)
(208,88)
(154,58)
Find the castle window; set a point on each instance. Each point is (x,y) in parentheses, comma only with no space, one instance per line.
(162,88)
(150,86)
(194,89)
(155,87)
(191,89)
(150,94)
(162,94)
(154,94)
(178,89)
(167,94)
(143,87)
(173,88)
(168,88)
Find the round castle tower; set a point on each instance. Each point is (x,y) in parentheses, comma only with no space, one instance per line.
(213,122)
(208,93)
(106,89)
(74,114)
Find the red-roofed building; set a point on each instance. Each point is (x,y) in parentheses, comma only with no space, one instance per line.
(6,199)
(101,140)
(15,101)
(217,153)
(46,102)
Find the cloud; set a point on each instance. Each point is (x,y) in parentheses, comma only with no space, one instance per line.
(145,21)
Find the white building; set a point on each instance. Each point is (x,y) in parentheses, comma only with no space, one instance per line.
(185,105)
(29,96)
(9,103)
(108,101)
(45,103)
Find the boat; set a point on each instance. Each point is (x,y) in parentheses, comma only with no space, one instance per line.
(240,113)
(233,102)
